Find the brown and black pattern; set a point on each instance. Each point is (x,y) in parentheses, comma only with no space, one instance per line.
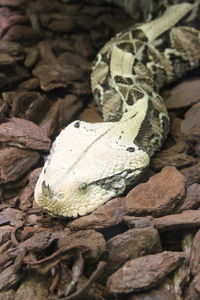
(155,63)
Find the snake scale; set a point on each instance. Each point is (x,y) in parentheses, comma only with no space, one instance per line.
(91,163)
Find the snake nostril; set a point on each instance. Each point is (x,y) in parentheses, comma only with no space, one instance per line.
(82,186)
(60,196)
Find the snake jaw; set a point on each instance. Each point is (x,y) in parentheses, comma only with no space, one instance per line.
(104,161)
(73,202)
(72,198)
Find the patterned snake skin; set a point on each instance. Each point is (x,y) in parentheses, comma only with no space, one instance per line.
(92,163)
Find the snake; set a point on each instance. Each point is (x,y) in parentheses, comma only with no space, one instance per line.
(91,163)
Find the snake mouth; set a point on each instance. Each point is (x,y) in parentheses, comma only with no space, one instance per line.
(53,207)
(48,200)
(59,216)
(69,209)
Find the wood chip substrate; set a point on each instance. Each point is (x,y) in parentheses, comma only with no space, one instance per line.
(144,245)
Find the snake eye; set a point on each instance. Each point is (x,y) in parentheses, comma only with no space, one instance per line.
(82,186)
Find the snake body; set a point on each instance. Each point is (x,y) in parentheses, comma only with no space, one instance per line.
(92,163)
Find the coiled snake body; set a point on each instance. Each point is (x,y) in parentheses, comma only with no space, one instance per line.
(92,163)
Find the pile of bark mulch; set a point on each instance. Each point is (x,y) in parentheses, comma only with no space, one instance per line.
(143,245)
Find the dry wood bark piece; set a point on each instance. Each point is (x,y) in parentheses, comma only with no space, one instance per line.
(12,3)
(3,220)
(191,123)
(84,290)
(193,291)
(83,44)
(123,247)
(186,219)
(192,198)
(22,34)
(92,243)
(15,216)
(40,240)
(57,75)
(5,233)
(30,84)
(144,272)
(14,49)
(90,114)
(9,18)
(3,82)
(8,295)
(192,174)
(105,216)
(32,56)
(80,88)
(158,196)
(15,74)
(183,94)
(6,60)
(175,128)
(60,45)
(26,196)
(11,275)
(35,285)
(195,255)
(192,109)
(68,58)
(138,222)
(197,150)
(15,163)
(165,291)
(174,156)
(57,22)
(24,134)
(27,104)
(60,114)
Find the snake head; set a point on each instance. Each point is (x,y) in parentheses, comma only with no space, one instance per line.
(88,165)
